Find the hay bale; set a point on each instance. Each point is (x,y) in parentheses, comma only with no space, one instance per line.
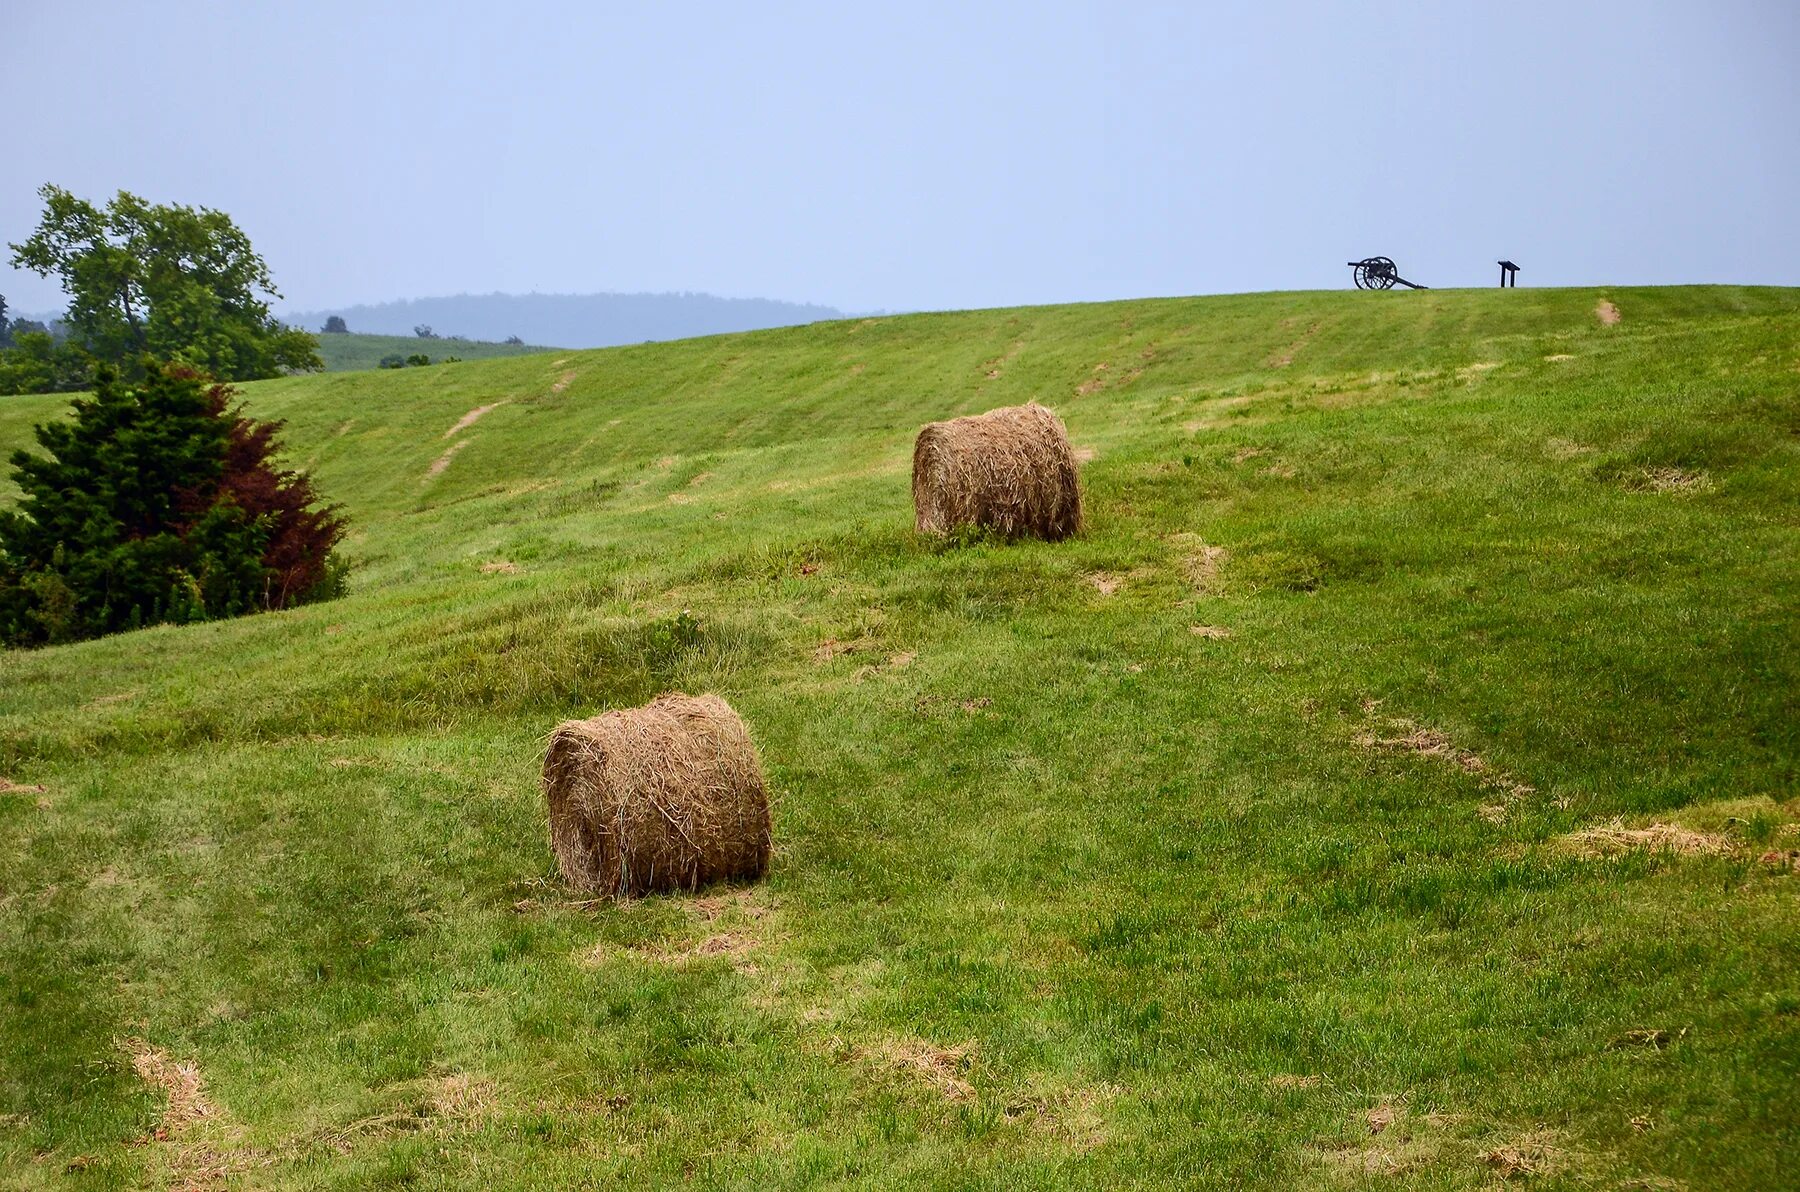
(1009,470)
(663,797)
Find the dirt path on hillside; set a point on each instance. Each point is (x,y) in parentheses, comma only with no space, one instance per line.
(1607,313)
(468,420)
(443,461)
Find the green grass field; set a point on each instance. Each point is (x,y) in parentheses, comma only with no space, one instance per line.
(351,351)
(1234,844)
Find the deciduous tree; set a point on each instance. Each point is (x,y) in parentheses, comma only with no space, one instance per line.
(149,282)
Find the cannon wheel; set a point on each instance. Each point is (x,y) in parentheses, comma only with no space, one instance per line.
(1375,273)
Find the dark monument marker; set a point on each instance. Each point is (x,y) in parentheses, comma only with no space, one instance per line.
(1509,275)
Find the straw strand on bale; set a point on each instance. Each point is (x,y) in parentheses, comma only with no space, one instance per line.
(1009,470)
(663,797)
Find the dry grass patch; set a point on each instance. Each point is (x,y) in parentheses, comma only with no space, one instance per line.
(746,905)
(179,1081)
(1382,1116)
(462,1097)
(1655,1038)
(733,925)
(1532,1154)
(197,1146)
(732,944)
(1785,860)
(900,661)
(1210,632)
(500,567)
(738,947)
(451,1100)
(1289,1080)
(1669,480)
(1389,1140)
(344,1139)
(1396,734)
(1075,1117)
(1201,565)
(944,1070)
(1383,1140)
(551,895)
(1614,839)
(831,648)
(1607,313)
(1754,827)
(1720,828)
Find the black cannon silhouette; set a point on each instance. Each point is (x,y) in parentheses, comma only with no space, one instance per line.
(1379,273)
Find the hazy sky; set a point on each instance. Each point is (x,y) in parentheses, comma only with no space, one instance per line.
(917,155)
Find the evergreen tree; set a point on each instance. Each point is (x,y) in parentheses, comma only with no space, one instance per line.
(157,502)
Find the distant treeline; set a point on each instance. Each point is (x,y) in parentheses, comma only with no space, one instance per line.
(571,320)
(26,325)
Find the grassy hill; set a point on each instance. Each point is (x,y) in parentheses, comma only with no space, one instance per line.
(1277,832)
(577,320)
(351,351)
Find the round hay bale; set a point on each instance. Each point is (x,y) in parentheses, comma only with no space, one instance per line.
(1009,470)
(664,797)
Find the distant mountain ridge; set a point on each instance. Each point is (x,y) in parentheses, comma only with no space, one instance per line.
(570,320)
